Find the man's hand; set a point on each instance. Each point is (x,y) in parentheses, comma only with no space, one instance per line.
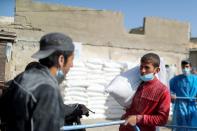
(84,109)
(79,110)
(131,120)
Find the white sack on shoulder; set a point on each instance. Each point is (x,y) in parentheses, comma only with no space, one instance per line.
(123,87)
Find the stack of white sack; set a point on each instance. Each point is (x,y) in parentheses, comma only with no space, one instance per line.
(76,84)
(96,100)
(114,110)
(76,95)
(123,87)
(111,69)
(96,90)
(95,72)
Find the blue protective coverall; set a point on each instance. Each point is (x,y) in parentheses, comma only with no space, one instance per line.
(185,111)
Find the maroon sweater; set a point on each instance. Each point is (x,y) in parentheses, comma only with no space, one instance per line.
(151,104)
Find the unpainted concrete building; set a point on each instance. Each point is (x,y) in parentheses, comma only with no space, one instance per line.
(7,39)
(101,34)
(193,52)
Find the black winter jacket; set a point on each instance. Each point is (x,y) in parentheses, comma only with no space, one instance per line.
(33,102)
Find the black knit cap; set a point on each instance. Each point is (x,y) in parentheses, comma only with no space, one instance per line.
(52,42)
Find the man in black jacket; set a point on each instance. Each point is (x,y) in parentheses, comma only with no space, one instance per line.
(34,100)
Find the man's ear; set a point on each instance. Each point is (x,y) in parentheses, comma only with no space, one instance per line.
(61,61)
(157,70)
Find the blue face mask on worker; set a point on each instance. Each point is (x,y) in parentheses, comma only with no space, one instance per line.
(147,77)
(186,71)
(60,76)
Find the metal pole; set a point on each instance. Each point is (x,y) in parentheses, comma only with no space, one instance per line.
(101,124)
(175,126)
(186,98)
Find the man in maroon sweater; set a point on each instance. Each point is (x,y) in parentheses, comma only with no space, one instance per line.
(151,103)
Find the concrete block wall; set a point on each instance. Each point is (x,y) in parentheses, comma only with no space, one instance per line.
(131,55)
(2,62)
(98,27)
(168,30)
(21,56)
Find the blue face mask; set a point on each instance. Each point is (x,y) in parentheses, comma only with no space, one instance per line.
(59,76)
(147,77)
(186,71)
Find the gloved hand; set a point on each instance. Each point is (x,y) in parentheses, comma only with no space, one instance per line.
(78,111)
(84,109)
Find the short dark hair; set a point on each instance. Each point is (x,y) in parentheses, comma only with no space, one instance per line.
(31,65)
(167,66)
(152,58)
(52,60)
(185,62)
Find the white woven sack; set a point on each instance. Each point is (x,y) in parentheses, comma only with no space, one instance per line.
(123,87)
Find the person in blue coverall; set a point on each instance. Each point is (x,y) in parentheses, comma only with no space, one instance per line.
(184,85)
